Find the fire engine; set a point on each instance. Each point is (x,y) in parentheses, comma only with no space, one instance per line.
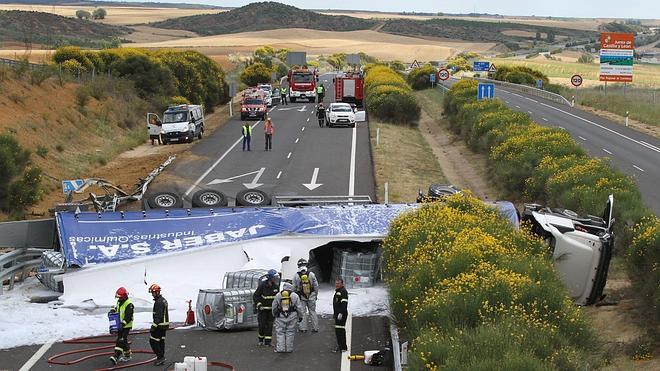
(302,84)
(349,88)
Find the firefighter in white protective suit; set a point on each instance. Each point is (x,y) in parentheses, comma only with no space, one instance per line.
(287,311)
(307,287)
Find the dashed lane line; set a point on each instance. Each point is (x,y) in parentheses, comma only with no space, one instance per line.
(638,168)
(288,156)
(606,151)
(297,139)
(279,175)
(583,138)
(544,119)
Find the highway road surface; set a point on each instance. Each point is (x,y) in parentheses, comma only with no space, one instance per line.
(633,153)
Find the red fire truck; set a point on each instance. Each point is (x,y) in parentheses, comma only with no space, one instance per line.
(349,88)
(302,84)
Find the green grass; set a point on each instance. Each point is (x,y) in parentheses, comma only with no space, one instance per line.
(405,160)
(645,75)
(640,103)
(431,101)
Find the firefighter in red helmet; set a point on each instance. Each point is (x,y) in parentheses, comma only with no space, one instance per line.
(161,322)
(125,309)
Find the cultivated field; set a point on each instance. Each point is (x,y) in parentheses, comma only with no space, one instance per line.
(380,45)
(116,15)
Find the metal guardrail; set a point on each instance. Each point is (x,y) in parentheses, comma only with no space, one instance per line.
(553,97)
(15,63)
(19,261)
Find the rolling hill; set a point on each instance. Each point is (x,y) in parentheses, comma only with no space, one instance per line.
(264,16)
(50,29)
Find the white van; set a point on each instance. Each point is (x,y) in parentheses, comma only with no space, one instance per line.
(181,123)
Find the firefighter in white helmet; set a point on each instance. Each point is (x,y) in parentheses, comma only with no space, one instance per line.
(307,287)
(287,311)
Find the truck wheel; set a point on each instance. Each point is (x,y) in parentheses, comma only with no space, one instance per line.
(252,197)
(165,200)
(201,133)
(209,198)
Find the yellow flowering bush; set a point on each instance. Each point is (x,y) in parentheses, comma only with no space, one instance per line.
(388,96)
(546,165)
(457,269)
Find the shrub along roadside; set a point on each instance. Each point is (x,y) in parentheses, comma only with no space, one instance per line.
(462,280)
(546,165)
(388,97)
(20,182)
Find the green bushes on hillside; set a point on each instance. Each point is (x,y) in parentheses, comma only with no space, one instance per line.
(388,96)
(20,182)
(255,73)
(419,78)
(463,280)
(520,75)
(158,75)
(545,165)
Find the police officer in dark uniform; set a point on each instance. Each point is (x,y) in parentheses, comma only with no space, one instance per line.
(263,302)
(340,308)
(161,322)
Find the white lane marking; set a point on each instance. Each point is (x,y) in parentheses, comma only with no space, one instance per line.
(638,168)
(533,100)
(289,155)
(208,171)
(297,139)
(303,129)
(583,138)
(279,175)
(606,151)
(345,362)
(530,112)
(308,119)
(506,101)
(641,143)
(351,175)
(313,185)
(37,356)
(518,107)
(271,110)
(561,127)
(544,119)
(647,144)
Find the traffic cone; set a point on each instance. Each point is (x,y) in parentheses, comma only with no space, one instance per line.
(190,315)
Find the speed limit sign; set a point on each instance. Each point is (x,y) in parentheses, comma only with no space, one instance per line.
(576,80)
(443,74)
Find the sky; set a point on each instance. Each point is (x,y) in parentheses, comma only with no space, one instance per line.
(555,8)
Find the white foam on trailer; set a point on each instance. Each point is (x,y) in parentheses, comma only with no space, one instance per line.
(89,292)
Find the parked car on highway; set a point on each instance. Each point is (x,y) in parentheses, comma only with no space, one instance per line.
(254,105)
(340,114)
(181,123)
(268,88)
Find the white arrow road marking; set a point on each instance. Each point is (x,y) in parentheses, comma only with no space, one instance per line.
(313,185)
(302,109)
(229,180)
(254,183)
(208,171)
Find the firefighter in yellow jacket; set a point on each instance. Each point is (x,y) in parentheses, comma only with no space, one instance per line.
(125,309)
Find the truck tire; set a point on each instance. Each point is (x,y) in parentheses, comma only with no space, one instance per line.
(192,136)
(201,133)
(208,198)
(252,197)
(165,200)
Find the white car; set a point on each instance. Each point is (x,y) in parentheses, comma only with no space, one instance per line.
(340,114)
(268,88)
(581,247)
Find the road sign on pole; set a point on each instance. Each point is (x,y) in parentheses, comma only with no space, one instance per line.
(492,68)
(432,78)
(443,74)
(481,66)
(539,84)
(485,91)
(576,80)
(414,64)
(616,56)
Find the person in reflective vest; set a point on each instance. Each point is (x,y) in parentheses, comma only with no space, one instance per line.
(320,92)
(263,303)
(246,130)
(340,309)
(283,93)
(287,311)
(125,309)
(159,326)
